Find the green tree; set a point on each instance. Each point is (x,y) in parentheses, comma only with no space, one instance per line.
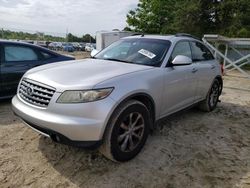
(7,34)
(84,38)
(197,17)
(152,16)
(88,38)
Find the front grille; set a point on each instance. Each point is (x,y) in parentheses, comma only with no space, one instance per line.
(35,93)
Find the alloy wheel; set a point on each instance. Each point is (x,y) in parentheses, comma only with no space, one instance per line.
(131,132)
(214,95)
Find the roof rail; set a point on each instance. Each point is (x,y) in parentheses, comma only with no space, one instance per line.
(186,35)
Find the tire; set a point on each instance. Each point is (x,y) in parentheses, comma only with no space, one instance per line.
(210,103)
(127,131)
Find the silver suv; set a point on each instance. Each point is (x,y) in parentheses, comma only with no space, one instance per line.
(114,99)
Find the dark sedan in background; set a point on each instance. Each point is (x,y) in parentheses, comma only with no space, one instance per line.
(16,58)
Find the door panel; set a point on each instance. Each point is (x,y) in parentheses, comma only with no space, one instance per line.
(205,75)
(11,74)
(1,82)
(205,64)
(16,61)
(179,82)
(180,87)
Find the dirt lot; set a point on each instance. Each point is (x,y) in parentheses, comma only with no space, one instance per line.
(76,54)
(191,149)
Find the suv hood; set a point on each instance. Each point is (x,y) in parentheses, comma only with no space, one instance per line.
(81,74)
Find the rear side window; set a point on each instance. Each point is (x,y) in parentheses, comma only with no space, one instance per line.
(200,52)
(46,55)
(19,53)
(182,48)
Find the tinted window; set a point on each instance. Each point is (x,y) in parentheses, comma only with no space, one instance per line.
(136,50)
(46,55)
(182,48)
(200,52)
(19,53)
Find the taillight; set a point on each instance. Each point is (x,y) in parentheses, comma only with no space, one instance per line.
(222,69)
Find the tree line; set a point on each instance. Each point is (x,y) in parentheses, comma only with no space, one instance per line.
(198,17)
(85,38)
(19,35)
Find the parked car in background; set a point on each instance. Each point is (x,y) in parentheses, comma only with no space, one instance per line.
(83,44)
(77,46)
(16,58)
(57,46)
(68,47)
(114,99)
(40,43)
(89,47)
(26,41)
(52,46)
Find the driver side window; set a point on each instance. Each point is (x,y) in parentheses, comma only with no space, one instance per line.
(182,48)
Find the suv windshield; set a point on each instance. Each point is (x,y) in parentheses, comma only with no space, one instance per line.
(136,50)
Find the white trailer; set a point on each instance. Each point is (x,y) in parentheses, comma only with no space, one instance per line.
(105,38)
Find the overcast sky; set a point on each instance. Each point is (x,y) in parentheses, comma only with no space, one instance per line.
(56,16)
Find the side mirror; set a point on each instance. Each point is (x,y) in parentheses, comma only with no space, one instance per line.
(94,52)
(181,60)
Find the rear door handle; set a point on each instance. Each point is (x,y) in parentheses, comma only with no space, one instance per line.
(212,66)
(194,70)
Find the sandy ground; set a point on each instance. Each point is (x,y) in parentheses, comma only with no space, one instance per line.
(76,54)
(191,149)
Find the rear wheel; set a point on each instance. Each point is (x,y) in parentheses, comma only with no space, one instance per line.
(127,132)
(212,98)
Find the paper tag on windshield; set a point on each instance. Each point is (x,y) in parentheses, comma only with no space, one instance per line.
(147,53)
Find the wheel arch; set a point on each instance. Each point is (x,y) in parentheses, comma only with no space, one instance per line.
(148,101)
(144,98)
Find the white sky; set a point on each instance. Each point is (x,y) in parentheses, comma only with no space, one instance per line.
(56,16)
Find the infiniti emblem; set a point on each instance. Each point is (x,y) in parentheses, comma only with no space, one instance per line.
(29,90)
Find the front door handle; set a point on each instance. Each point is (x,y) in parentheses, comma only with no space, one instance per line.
(194,70)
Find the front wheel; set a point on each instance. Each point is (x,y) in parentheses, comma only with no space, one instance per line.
(127,131)
(212,98)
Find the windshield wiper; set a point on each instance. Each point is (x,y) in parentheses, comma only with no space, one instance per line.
(118,60)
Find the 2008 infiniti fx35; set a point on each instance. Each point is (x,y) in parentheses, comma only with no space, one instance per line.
(114,99)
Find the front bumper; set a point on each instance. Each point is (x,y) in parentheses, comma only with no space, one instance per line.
(74,122)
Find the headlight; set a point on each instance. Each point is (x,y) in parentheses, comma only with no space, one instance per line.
(84,96)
